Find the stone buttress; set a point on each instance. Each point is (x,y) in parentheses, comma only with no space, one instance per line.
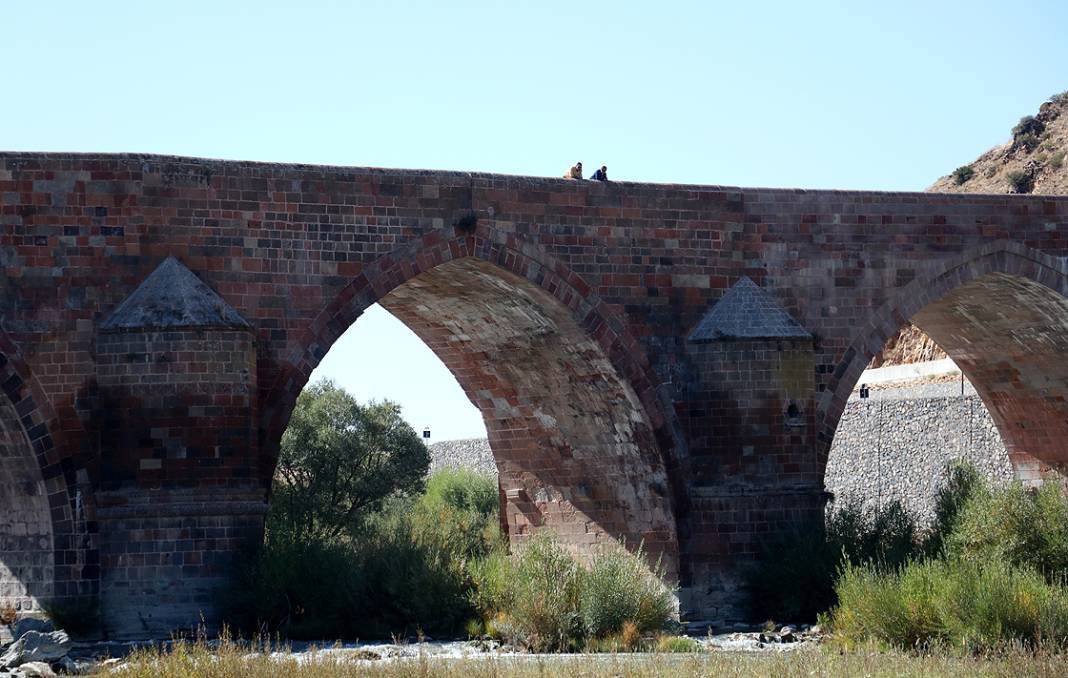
(176,418)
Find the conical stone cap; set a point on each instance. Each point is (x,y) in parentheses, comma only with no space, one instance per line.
(747,312)
(172,296)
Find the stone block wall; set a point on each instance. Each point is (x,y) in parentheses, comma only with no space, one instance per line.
(177,417)
(166,557)
(176,407)
(27,568)
(575,450)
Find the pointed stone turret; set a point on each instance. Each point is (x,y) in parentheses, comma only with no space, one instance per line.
(747,312)
(172,296)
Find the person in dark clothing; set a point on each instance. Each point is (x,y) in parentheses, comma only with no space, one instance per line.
(601,174)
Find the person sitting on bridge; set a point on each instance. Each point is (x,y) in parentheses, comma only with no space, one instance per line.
(601,174)
(575,172)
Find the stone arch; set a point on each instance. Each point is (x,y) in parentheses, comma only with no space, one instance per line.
(41,553)
(447,285)
(1000,311)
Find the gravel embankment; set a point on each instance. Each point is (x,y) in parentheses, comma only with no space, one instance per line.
(898,443)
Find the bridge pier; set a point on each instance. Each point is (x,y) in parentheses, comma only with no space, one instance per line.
(179,493)
(752,468)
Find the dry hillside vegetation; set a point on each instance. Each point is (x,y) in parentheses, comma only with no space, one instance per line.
(1034,161)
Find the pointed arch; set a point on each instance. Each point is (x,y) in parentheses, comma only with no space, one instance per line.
(594,459)
(978,306)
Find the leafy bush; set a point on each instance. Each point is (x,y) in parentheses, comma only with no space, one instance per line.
(1029,125)
(339,461)
(962,483)
(1020,181)
(458,514)
(618,589)
(1057,160)
(1028,142)
(409,568)
(1020,526)
(542,598)
(545,592)
(999,576)
(962,174)
(975,605)
(462,489)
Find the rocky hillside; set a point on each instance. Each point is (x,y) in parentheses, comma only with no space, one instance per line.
(910,345)
(1034,161)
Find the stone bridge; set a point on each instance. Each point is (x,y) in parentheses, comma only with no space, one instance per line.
(654,363)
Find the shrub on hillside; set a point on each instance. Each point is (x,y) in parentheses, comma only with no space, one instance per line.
(1029,125)
(1028,142)
(1020,181)
(962,174)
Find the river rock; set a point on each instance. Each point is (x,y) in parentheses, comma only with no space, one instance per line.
(37,670)
(35,646)
(19,628)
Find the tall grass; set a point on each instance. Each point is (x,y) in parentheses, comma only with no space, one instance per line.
(970,605)
(232,660)
(991,576)
(795,573)
(544,599)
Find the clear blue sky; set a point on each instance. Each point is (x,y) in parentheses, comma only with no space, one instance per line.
(816,94)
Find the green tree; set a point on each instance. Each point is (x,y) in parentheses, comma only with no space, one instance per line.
(340,461)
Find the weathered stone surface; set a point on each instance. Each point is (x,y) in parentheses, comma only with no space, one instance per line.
(567,328)
(22,626)
(747,312)
(36,669)
(173,296)
(34,646)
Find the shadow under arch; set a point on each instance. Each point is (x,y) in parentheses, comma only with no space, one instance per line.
(1001,312)
(44,544)
(574,419)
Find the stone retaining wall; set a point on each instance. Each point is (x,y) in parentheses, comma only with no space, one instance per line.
(472,453)
(898,443)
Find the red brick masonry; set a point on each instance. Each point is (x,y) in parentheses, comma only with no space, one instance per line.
(563,308)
